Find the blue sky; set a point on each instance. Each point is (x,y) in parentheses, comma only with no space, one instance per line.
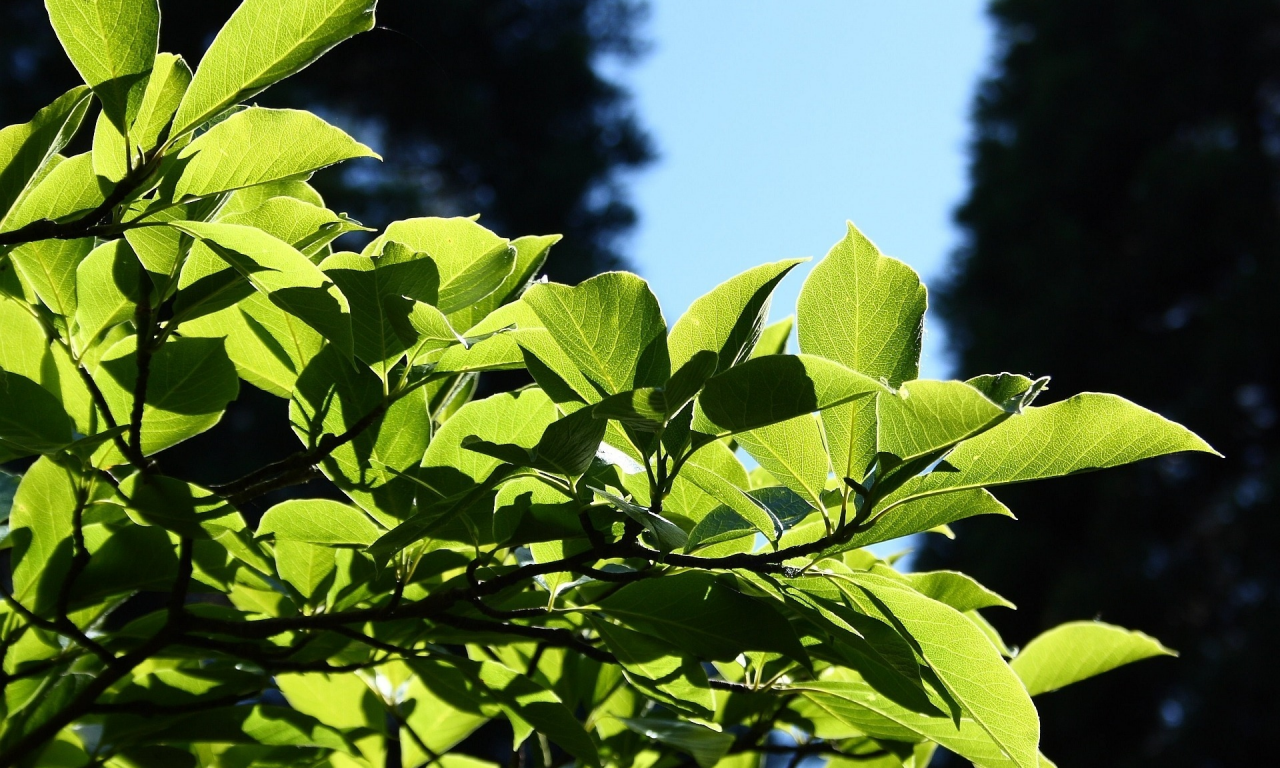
(777,121)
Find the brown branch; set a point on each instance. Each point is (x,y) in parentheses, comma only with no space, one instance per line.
(289,470)
(94,223)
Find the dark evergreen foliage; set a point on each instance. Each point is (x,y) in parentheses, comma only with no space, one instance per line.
(1122,230)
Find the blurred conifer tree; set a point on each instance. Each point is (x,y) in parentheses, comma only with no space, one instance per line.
(1123,231)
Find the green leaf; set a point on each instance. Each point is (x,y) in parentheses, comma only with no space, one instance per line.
(569,443)
(106,290)
(49,267)
(610,326)
(70,187)
(112,43)
(928,512)
(473,263)
(331,397)
(652,407)
(775,388)
(531,254)
(730,318)
(178,506)
(1085,433)
(190,383)
(249,724)
(857,704)
(110,152)
(319,521)
(269,346)
(261,145)
(308,567)
(28,350)
(1078,650)
(659,670)
(305,226)
(924,416)
(525,700)
(726,524)
(701,615)
(965,661)
(667,536)
(957,590)
(40,526)
(774,338)
(284,275)
(514,418)
(342,701)
(163,250)
(26,149)
(706,746)
(383,290)
(1011,390)
(30,417)
(262,43)
(165,89)
(743,504)
(863,310)
(793,452)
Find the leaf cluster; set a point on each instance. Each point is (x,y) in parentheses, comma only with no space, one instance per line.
(586,559)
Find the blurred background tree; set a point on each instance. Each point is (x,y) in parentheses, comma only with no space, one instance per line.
(1122,235)
(497,107)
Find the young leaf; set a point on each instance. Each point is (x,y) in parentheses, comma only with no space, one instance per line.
(775,388)
(667,535)
(729,319)
(26,149)
(610,326)
(112,43)
(1078,650)
(531,254)
(276,269)
(568,444)
(864,310)
(966,662)
(319,521)
(262,43)
(743,504)
(1087,432)
(260,145)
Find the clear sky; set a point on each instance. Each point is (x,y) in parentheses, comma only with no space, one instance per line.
(777,121)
